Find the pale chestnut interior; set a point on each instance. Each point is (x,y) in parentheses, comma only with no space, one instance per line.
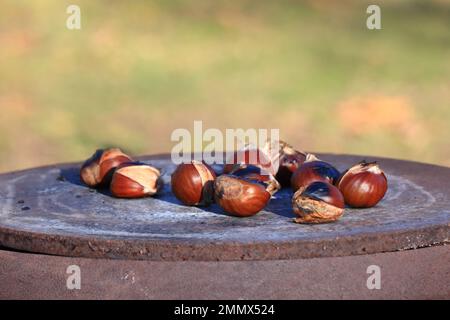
(204,173)
(146,176)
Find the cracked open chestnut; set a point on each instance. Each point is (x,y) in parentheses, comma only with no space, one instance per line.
(192,183)
(319,202)
(243,197)
(135,180)
(313,170)
(363,185)
(290,160)
(98,169)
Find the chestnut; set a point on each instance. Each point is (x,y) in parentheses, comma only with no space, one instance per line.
(319,202)
(363,185)
(243,197)
(98,169)
(192,183)
(313,170)
(290,160)
(135,180)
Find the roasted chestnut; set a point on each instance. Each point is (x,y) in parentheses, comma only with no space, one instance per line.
(290,160)
(192,183)
(98,169)
(319,202)
(313,170)
(363,185)
(243,197)
(135,180)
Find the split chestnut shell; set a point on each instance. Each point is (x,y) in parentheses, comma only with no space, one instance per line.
(135,180)
(320,202)
(98,169)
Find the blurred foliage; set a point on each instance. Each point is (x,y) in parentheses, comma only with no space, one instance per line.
(139,69)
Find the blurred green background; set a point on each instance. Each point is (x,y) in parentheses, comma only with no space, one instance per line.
(138,70)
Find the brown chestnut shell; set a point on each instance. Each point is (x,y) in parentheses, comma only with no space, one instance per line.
(135,180)
(319,202)
(363,185)
(313,170)
(192,183)
(239,196)
(97,171)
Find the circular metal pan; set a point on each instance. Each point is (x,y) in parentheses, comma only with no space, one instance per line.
(48,210)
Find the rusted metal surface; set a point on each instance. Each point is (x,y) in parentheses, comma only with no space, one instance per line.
(412,274)
(48,210)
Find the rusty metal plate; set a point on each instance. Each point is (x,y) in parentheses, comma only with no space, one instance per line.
(48,210)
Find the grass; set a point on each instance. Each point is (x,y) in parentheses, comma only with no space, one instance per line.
(136,71)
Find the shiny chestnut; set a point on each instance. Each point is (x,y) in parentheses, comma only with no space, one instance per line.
(290,160)
(135,180)
(98,169)
(243,197)
(319,202)
(363,185)
(313,170)
(192,183)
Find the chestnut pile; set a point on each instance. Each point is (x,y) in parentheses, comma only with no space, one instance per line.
(243,189)
(321,192)
(125,177)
